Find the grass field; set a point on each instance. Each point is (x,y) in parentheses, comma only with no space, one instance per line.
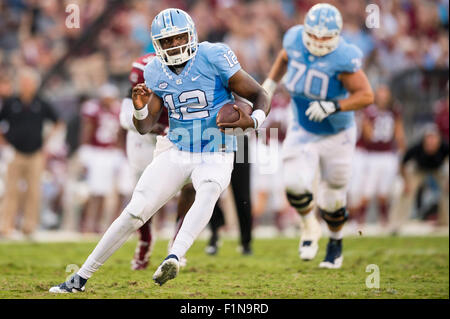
(410,267)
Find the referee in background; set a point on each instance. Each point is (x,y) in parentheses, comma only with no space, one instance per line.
(22,117)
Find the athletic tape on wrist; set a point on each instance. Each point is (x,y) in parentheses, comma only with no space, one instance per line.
(337,105)
(258,117)
(255,123)
(141,114)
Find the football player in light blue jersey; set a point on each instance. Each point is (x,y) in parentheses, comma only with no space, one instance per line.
(193,81)
(195,95)
(322,74)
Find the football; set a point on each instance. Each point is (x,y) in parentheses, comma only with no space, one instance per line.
(228,114)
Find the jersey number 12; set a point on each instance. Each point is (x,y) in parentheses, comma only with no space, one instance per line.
(193,110)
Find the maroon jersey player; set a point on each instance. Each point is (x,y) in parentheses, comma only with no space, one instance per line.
(355,194)
(137,76)
(383,136)
(100,153)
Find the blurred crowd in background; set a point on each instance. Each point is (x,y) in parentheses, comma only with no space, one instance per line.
(408,53)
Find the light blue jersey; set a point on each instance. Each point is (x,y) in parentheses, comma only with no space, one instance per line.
(311,78)
(195,96)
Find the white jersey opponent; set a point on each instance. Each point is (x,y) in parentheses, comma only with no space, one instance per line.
(139,148)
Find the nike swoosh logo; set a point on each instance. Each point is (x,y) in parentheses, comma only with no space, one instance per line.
(195,77)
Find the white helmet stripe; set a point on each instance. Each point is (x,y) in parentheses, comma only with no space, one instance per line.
(167,19)
(322,20)
(168,23)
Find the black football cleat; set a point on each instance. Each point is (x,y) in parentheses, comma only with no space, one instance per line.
(73,285)
(333,258)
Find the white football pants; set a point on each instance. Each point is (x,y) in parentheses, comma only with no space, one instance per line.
(304,153)
(169,171)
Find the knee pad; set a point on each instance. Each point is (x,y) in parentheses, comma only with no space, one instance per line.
(211,188)
(297,186)
(142,205)
(302,203)
(331,198)
(137,204)
(127,220)
(336,218)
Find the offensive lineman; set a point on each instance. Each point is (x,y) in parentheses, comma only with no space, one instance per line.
(326,84)
(193,81)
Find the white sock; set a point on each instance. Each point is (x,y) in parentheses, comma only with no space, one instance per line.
(116,235)
(336,234)
(196,218)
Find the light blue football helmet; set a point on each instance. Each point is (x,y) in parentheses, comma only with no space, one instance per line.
(322,20)
(168,23)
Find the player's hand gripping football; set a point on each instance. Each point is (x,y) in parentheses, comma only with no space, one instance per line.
(245,121)
(140,95)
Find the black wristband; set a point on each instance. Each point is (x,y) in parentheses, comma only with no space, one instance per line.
(337,106)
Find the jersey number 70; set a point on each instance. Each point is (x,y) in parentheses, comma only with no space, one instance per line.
(310,75)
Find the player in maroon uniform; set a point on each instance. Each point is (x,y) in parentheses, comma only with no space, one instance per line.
(100,152)
(140,153)
(358,170)
(441,115)
(383,136)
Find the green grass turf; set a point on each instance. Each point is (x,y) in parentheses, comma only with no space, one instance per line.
(410,267)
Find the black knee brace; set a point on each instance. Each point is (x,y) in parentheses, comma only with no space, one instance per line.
(336,218)
(300,202)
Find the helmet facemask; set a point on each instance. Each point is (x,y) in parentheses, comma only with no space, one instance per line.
(322,28)
(320,48)
(186,51)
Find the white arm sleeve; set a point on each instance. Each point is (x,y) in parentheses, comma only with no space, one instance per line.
(126,114)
